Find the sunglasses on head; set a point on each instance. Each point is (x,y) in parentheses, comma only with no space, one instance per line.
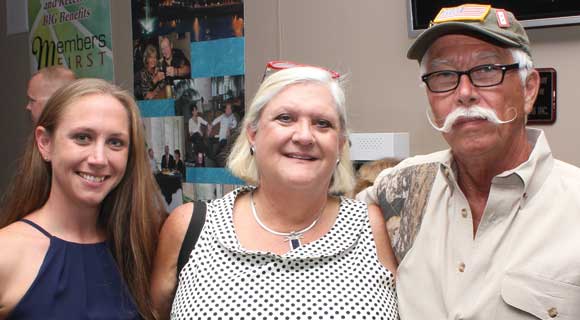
(278,65)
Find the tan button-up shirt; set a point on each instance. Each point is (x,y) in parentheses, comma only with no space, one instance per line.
(523,263)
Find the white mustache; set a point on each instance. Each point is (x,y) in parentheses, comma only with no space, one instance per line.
(473,112)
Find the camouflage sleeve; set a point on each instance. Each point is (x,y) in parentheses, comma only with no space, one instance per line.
(402,195)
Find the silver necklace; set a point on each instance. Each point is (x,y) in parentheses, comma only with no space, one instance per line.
(292,237)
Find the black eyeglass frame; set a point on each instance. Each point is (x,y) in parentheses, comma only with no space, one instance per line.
(503,67)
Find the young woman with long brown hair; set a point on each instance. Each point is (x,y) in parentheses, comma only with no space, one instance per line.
(80,222)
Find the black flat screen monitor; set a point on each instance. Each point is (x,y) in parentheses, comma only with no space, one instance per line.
(531,13)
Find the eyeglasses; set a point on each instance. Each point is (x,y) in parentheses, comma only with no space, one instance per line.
(487,75)
(278,65)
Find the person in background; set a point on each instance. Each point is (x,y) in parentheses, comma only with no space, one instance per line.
(173,62)
(80,221)
(150,80)
(42,85)
(227,122)
(179,167)
(285,243)
(195,132)
(368,172)
(489,227)
(167,160)
(152,161)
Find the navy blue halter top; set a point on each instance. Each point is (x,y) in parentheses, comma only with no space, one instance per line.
(76,281)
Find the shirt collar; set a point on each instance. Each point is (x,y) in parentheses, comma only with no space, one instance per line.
(532,172)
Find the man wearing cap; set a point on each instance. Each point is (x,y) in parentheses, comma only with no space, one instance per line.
(489,228)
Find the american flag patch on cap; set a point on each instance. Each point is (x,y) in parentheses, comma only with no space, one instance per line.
(466,12)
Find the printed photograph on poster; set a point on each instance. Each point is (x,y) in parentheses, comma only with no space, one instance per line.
(188,60)
(206,191)
(74,34)
(164,147)
(159,62)
(213,109)
(204,19)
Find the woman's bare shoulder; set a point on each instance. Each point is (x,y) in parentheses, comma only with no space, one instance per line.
(21,254)
(18,237)
(178,221)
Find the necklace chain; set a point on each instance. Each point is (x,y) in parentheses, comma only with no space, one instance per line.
(293,235)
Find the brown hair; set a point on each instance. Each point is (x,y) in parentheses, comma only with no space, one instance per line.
(131,214)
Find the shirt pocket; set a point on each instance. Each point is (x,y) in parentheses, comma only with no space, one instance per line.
(529,296)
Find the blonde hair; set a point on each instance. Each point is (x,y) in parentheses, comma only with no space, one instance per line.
(242,164)
(131,214)
(368,172)
(150,51)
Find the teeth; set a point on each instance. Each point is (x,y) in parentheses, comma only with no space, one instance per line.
(300,157)
(91,178)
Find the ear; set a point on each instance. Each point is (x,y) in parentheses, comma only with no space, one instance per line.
(531,88)
(341,142)
(43,142)
(251,134)
(342,139)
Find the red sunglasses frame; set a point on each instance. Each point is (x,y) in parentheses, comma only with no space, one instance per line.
(277,65)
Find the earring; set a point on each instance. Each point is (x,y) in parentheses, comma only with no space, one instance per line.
(252,150)
(337,162)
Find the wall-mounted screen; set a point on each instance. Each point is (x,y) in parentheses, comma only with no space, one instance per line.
(531,13)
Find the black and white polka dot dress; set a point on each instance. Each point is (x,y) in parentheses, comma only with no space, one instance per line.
(335,277)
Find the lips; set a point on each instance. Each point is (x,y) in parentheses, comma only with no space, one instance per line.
(91,178)
(462,120)
(301,156)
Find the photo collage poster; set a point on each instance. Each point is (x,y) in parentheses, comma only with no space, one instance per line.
(188,62)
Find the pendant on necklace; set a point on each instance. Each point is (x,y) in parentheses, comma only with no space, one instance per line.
(294,240)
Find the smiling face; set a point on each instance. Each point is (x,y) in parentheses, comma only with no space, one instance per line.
(165,48)
(478,136)
(298,138)
(152,60)
(88,150)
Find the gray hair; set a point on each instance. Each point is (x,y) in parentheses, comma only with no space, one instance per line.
(242,164)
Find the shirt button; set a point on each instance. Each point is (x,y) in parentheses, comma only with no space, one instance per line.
(464,212)
(553,312)
(461,267)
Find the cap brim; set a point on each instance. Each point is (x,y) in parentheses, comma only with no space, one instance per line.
(425,39)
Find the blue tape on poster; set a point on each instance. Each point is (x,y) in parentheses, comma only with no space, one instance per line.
(215,58)
(157,108)
(211,175)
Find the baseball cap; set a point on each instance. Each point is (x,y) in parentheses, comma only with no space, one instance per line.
(495,25)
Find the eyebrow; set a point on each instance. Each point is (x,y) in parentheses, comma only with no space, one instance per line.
(92,131)
(438,61)
(487,54)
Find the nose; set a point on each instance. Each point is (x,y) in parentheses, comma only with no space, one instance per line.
(29,106)
(466,92)
(303,133)
(97,155)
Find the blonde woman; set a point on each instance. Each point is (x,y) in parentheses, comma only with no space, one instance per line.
(284,246)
